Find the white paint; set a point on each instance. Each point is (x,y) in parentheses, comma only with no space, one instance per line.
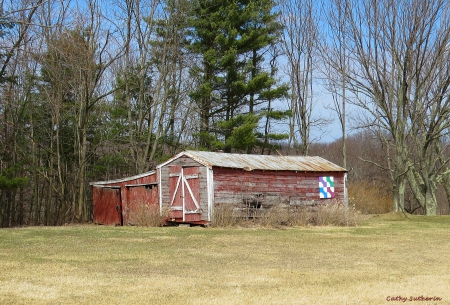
(210,191)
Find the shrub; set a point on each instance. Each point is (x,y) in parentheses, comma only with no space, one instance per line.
(369,198)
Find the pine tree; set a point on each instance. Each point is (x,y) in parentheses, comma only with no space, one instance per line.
(231,38)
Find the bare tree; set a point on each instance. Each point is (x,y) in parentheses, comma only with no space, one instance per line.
(140,26)
(153,76)
(16,23)
(398,72)
(74,66)
(299,46)
(333,51)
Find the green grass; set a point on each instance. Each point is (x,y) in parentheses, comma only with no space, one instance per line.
(387,256)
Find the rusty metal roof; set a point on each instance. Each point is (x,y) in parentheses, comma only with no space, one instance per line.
(260,162)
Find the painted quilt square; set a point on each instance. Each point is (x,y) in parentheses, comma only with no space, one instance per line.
(326,187)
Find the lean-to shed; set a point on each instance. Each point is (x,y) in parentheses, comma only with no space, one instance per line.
(192,183)
(115,201)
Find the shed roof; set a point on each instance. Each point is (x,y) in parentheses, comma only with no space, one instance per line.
(126,179)
(260,162)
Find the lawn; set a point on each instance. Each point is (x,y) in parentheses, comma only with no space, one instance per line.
(382,261)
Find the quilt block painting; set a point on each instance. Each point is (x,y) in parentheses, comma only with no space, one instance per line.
(326,187)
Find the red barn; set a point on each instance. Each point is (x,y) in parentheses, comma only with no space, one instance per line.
(192,183)
(115,200)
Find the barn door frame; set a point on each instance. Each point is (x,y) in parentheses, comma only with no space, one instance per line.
(112,205)
(119,205)
(183,183)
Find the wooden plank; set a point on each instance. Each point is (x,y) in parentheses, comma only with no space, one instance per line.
(107,186)
(193,176)
(142,184)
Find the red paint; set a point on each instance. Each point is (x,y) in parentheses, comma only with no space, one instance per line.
(184,194)
(228,181)
(127,194)
(184,187)
(107,206)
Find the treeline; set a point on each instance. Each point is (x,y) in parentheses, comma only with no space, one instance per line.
(94,90)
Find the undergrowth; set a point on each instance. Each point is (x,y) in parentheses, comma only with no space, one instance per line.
(146,215)
(369,198)
(333,214)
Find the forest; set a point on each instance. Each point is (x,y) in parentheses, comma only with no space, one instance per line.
(101,89)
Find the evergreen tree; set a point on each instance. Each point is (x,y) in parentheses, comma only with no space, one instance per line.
(205,23)
(231,38)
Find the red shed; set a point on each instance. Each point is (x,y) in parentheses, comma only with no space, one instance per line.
(193,182)
(115,200)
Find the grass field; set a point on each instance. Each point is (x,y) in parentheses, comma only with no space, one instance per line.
(385,258)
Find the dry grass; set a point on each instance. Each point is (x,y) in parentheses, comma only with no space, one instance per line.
(386,256)
(332,214)
(336,214)
(284,216)
(369,198)
(147,215)
(224,216)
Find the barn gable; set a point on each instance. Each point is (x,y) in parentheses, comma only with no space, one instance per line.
(185,189)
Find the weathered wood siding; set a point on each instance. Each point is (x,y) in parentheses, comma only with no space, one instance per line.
(107,206)
(203,187)
(164,172)
(233,186)
(138,192)
(113,202)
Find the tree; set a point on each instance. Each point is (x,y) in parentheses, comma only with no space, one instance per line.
(73,68)
(334,54)
(398,73)
(171,46)
(300,45)
(15,25)
(231,38)
(267,138)
(151,81)
(136,80)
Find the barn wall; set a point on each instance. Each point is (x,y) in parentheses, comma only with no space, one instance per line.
(165,185)
(227,186)
(138,192)
(107,205)
(234,186)
(113,202)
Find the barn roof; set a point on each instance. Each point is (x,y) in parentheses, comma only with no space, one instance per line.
(259,162)
(123,179)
